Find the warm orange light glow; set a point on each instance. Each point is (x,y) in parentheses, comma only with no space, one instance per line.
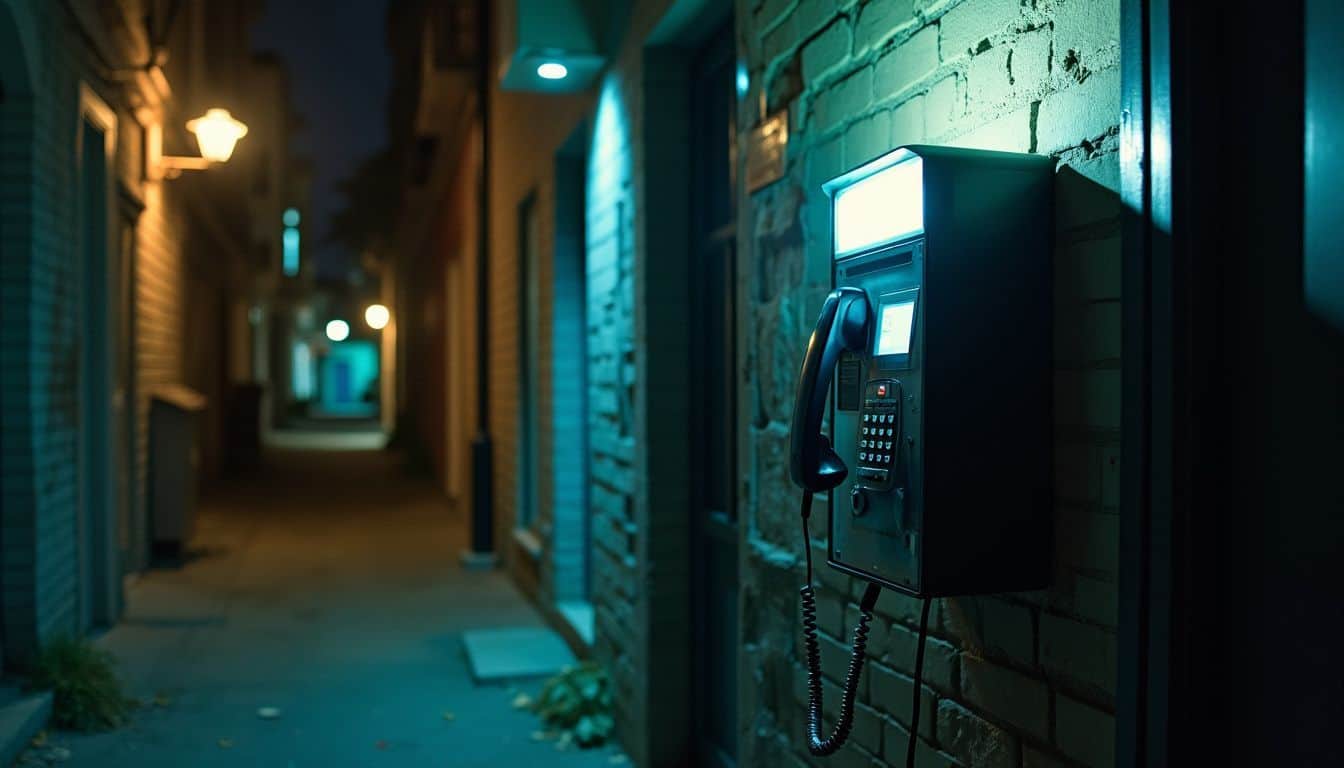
(217,132)
(377,316)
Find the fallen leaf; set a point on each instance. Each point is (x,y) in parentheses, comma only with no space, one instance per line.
(449,716)
(522,701)
(268,713)
(226,743)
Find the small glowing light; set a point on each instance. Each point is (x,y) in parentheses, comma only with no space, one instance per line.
(377,316)
(291,217)
(290,256)
(880,209)
(217,133)
(743,79)
(255,315)
(338,330)
(552,70)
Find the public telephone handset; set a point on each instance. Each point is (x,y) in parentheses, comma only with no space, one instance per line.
(843,326)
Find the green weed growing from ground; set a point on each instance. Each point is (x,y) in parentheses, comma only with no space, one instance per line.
(86,693)
(577,702)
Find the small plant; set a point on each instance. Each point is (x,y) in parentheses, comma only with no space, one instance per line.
(86,694)
(578,703)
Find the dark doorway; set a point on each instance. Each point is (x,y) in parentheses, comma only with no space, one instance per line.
(526,480)
(713,408)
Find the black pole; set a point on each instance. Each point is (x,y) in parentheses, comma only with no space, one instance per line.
(482,510)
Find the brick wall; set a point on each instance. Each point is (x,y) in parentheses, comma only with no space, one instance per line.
(44,275)
(612,491)
(1024,679)
(16,459)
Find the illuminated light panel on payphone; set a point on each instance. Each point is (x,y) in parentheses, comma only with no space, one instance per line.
(885,204)
(895,321)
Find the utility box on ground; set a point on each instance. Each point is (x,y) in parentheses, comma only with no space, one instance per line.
(174,466)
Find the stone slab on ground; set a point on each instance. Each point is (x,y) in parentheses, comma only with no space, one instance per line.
(515,653)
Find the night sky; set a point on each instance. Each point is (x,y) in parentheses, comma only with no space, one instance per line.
(338,67)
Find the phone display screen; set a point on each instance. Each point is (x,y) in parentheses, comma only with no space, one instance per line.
(895,323)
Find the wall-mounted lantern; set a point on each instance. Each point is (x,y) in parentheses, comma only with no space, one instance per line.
(217,134)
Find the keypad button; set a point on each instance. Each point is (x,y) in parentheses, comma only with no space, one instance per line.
(886,459)
(863,456)
(867,417)
(865,430)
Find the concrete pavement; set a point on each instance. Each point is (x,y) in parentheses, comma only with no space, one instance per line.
(326,587)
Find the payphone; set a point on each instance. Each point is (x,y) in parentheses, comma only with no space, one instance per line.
(934,353)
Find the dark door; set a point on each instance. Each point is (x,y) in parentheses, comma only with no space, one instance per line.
(713,407)
(528,241)
(95,381)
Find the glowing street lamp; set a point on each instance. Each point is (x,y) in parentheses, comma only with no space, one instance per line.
(338,330)
(217,134)
(377,316)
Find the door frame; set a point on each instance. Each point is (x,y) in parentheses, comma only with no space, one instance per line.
(702,529)
(665,711)
(527,489)
(100,583)
(1198,639)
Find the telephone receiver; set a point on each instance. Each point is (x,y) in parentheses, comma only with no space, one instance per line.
(841,327)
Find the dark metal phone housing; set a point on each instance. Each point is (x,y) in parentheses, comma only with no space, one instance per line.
(947,437)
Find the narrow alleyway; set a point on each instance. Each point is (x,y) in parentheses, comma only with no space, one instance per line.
(327,587)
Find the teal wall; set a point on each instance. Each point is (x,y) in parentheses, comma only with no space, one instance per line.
(348,371)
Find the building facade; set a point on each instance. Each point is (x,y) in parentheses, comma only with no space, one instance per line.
(123,282)
(647,313)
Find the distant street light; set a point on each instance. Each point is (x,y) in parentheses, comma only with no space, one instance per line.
(338,330)
(377,316)
(217,134)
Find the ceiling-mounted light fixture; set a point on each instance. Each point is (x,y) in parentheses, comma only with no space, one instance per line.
(552,70)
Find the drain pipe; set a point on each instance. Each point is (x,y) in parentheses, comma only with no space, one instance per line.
(482,554)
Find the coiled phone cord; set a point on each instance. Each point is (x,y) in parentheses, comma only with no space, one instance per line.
(816,743)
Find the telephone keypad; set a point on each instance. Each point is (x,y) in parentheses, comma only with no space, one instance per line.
(877,436)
